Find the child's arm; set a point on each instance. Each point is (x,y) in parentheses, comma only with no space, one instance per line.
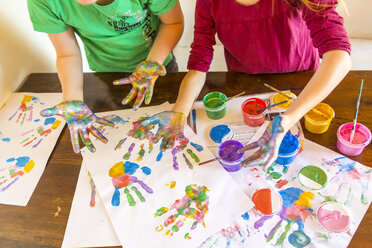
(190,88)
(146,73)
(69,64)
(170,32)
(333,68)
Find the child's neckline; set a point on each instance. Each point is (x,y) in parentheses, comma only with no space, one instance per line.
(247,3)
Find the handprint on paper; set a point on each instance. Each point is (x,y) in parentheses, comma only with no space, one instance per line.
(122,178)
(25,110)
(36,135)
(141,132)
(194,205)
(11,174)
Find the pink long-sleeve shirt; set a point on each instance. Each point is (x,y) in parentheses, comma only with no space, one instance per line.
(265,37)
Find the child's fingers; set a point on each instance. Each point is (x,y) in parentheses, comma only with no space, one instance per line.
(104,122)
(140,98)
(149,91)
(164,143)
(156,138)
(97,134)
(86,140)
(127,80)
(171,142)
(74,138)
(258,157)
(130,96)
(49,111)
(153,119)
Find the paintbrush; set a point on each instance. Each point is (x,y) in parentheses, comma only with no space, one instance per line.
(214,159)
(230,98)
(356,112)
(270,106)
(278,91)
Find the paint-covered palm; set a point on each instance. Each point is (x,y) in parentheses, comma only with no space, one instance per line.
(143,80)
(122,178)
(80,120)
(170,128)
(268,145)
(193,205)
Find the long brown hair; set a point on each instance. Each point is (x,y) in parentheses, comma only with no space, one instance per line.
(317,6)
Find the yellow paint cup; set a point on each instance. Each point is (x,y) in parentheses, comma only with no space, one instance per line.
(277,98)
(318,121)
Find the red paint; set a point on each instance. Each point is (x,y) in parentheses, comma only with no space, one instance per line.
(18,173)
(262,201)
(121,182)
(29,142)
(281,183)
(250,115)
(48,131)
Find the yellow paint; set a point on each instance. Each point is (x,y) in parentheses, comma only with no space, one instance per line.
(167,233)
(29,166)
(159,228)
(56,124)
(280,98)
(319,120)
(117,170)
(171,184)
(305,199)
(26,99)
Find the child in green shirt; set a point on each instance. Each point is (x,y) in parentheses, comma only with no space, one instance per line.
(118,36)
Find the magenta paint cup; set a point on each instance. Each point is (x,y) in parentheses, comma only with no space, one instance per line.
(230,149)
(362,137)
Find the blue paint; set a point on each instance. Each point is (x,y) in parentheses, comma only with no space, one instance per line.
(288,149)
(21,161)
(37,120)
(146,170)
(290,195)
(218,132)
(199,148)
(130,168)
(345,164)
(6,140)
(159,157)
(245,216)
(49,120)
(299,239)
(115,201)
(117,119)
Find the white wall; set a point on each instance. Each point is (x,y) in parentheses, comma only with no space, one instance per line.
(23,51)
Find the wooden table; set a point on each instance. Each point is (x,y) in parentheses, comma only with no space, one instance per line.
(36,224)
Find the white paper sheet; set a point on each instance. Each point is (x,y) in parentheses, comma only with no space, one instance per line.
(26,142)
(133,223)
(88,224)
(349,183)
(233,118)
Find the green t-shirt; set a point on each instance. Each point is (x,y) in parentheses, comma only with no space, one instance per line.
(116,37)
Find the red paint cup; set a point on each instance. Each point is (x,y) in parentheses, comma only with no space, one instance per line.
(251,116)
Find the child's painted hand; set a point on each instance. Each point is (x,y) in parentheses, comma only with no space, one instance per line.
(80,119)
(268,145)
(170,128)
(142,79)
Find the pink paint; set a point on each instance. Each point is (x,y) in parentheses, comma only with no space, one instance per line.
(334,217)
(361,139)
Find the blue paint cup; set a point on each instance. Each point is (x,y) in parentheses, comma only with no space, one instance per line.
(230,148)
(288,149)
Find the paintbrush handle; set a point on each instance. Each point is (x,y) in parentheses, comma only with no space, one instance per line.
(356,112)
(230,98)
(270,106)
(278,91)
(211,160)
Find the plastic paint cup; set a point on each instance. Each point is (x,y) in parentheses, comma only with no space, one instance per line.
(317,123)
(267,201)
(251,116)
(212,105)
(312,177)
(232,162)
(288,149)
(334,217)
(362,137)
(277,98)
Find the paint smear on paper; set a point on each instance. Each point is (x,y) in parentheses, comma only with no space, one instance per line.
(219,132)
(189,164)
(171,185)
(127,155)
(21,166)
(25,110)
(141,153)
(199,148)
(193,205)
(121,142)
(193,155)
(92,202)
(159,156)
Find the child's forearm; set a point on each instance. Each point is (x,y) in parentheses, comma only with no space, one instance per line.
(70,74)
(170,32)
(333,68)
(190,88)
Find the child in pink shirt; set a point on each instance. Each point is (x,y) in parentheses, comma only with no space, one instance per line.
(265,36)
